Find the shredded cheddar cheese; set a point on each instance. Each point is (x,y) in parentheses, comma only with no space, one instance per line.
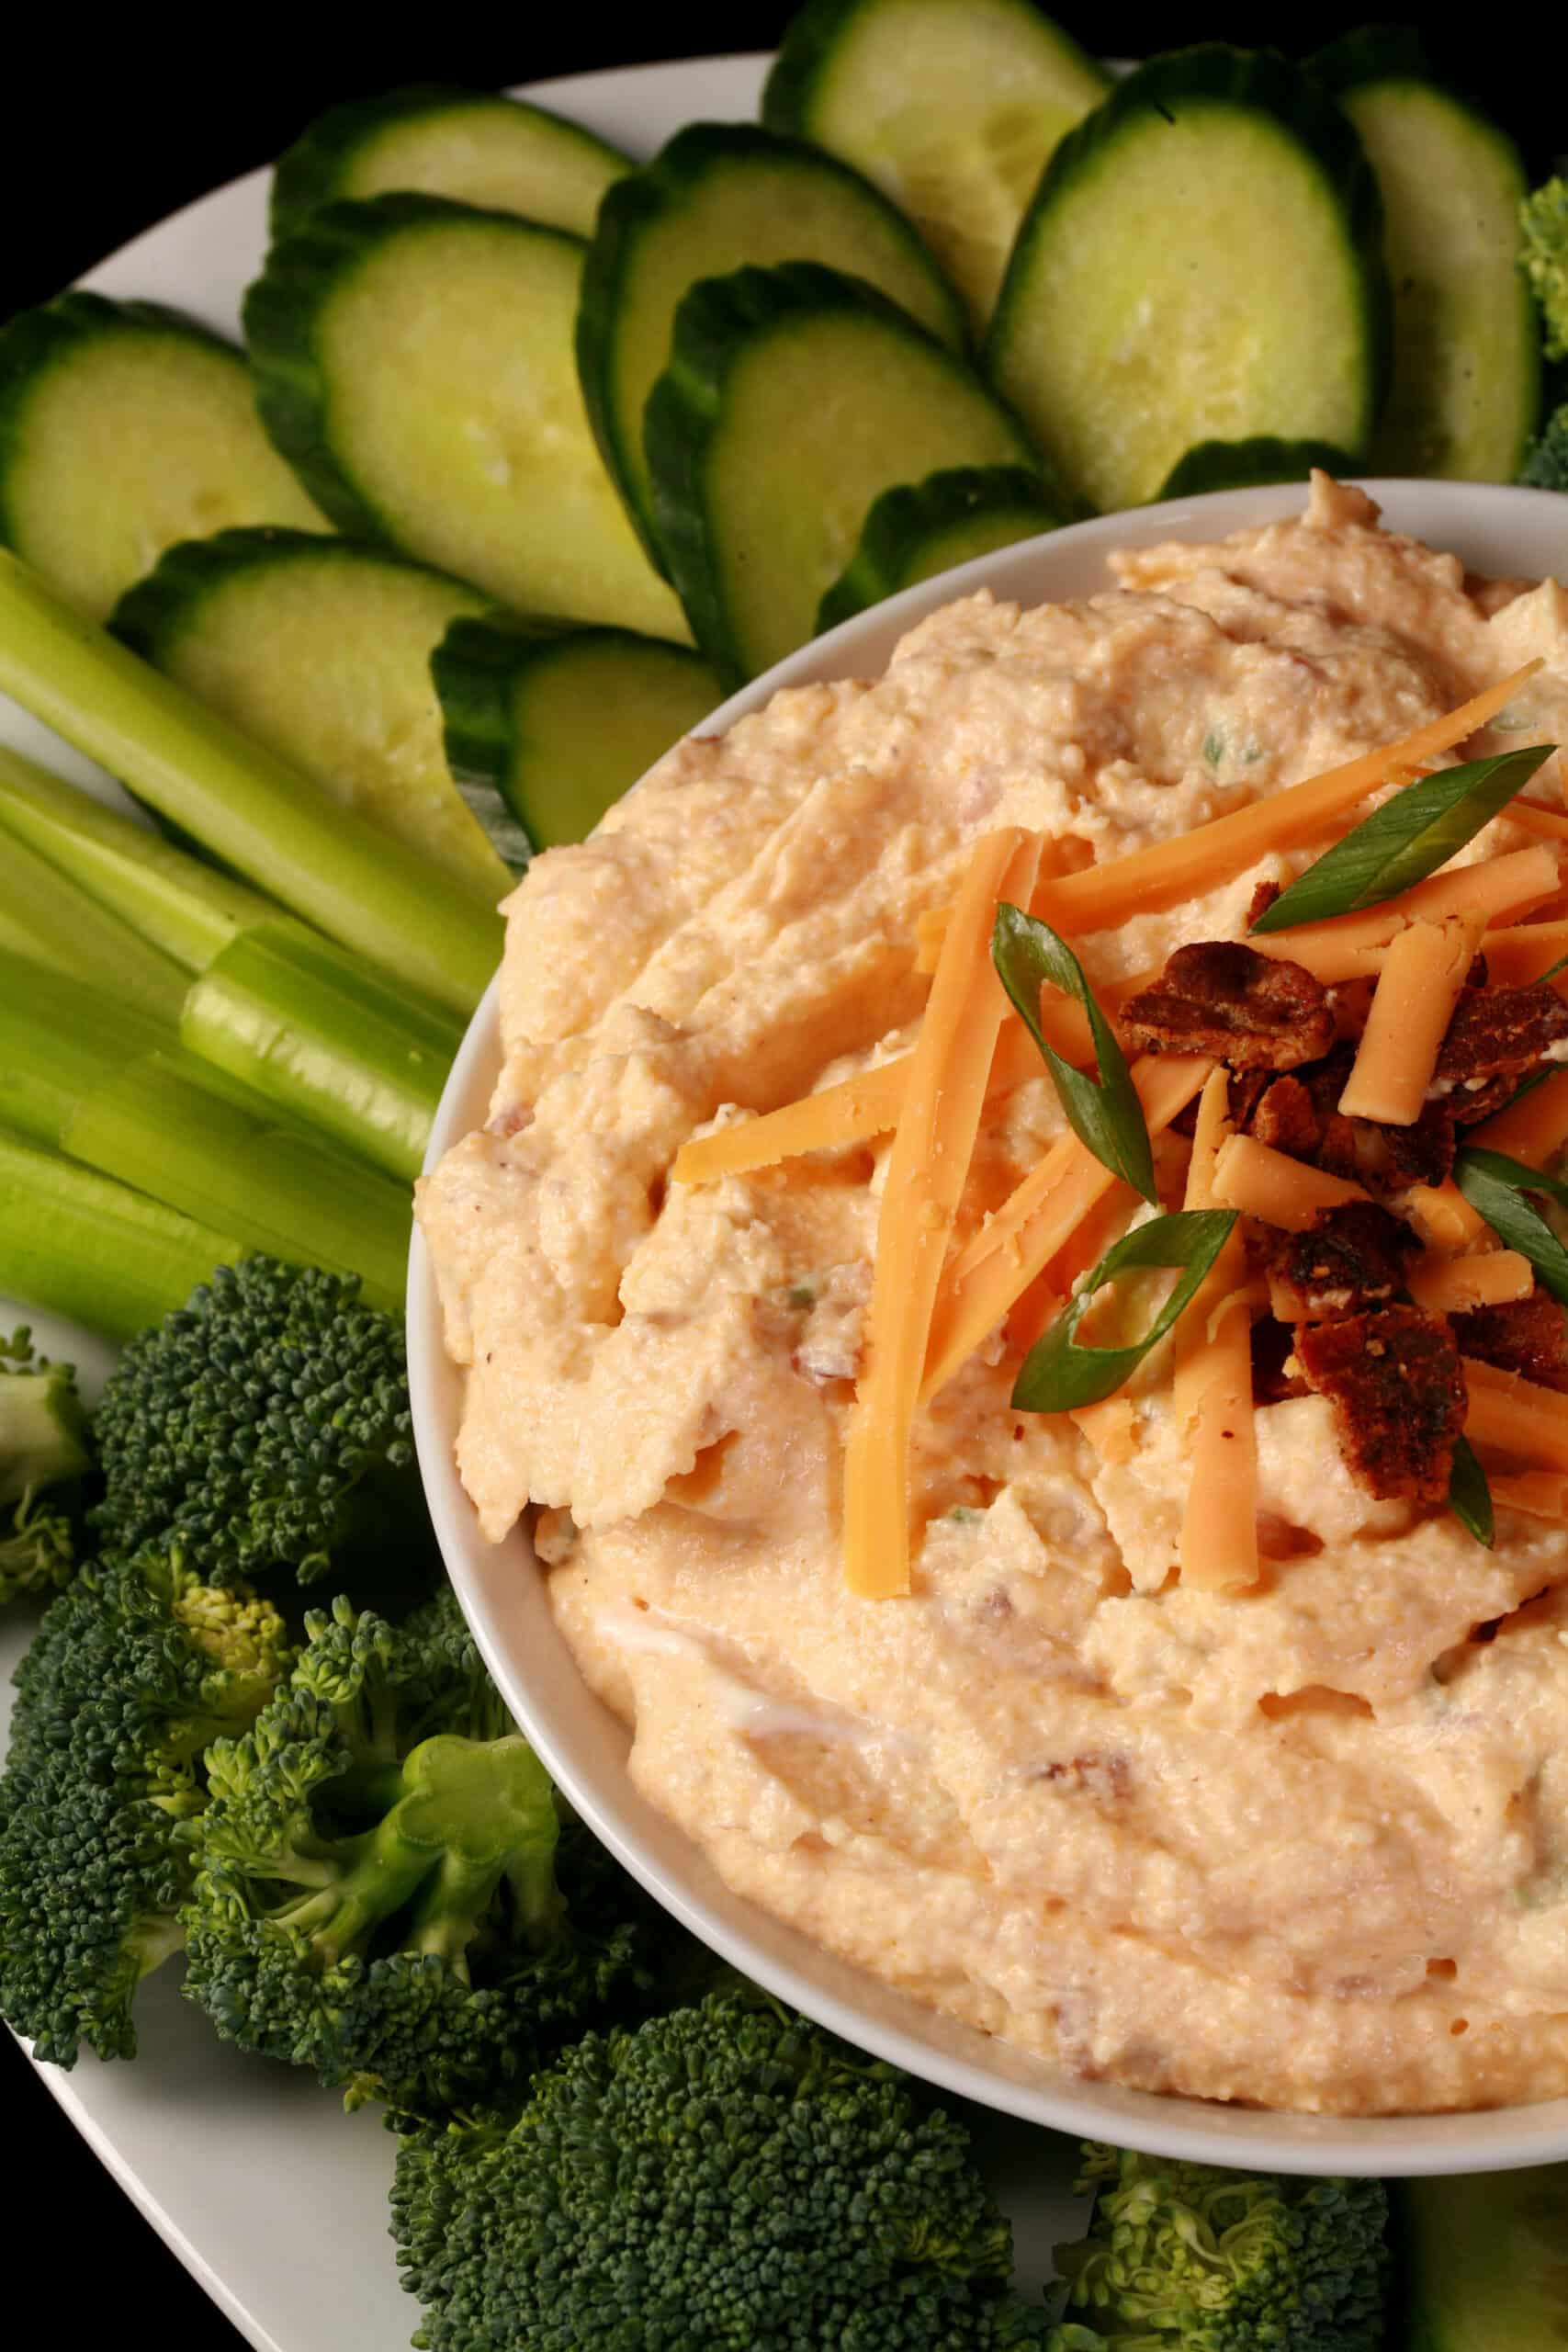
(1354,948)
(1212,1386)
(1506,1414)
(1533,1129)
(927,1168)
(1423,973)
(1459,1286)
(1262,1182)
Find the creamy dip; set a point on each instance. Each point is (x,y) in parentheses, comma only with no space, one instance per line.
(1307,1846)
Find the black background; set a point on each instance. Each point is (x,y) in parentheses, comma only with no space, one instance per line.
(106,130)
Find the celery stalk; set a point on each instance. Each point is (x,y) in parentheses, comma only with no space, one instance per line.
(59,1039)
(153,1125)
(326,1039)
(187,908)
(74,1243)
(253,811)
(47,918)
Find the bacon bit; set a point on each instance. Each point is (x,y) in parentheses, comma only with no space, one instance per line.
(1393,1380)
(1263,896)
(1271,1345)
(1352,1258)
(1285,1117)
(1527,1336)
(1220,997)
(1300,1114)
(1497,1038)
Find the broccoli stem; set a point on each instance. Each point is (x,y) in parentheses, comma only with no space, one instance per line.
(326,1039)
(171,900)
(42,1430)
(156,1123)
(64,1038)
(49,919)
(81,1246)
(257,814)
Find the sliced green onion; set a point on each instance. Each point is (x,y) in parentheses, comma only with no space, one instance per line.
(49,919)
(1406,839)
(59,1039)
(307,1026)
(1470,1496)
(1496,1186)
(1059,1375)
(250,808)
(1105,1113)
(76,1244)
(156,1125)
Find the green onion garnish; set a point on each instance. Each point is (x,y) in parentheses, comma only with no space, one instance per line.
(1497,1185)
(1406,839)
(1470,1496)
(1105,1113)
(1059,1375)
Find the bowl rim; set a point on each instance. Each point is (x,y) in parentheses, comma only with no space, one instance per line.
(578,1738)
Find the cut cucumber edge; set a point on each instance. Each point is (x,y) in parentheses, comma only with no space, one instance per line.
(1244,465)
(908,525)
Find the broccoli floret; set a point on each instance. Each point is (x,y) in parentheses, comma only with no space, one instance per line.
(725,2175)
(135,1669)
(376,1894)
(1544,220)
(1546,467)
(265,1425)
(1189,2257)
(43,1460)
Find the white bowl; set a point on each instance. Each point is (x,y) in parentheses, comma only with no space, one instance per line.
(1517,532)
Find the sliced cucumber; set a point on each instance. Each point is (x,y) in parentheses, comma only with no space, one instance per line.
(922,528)
(562,722)
(794,398)
(1202,262)
(1240,465)
(953,106)
(123,428)
(1485,2261)
(320,650)
(414,364)
(1465,395)
(472,145)
(719,195)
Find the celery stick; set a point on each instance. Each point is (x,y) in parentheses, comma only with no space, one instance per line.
(295,1195)
(242,803)
(187,908)
(326,1039)
(59,1039)
(74,1243)
(45,917)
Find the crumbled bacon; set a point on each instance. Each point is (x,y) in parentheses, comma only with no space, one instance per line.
(1220,996)
(1300,1114)
(1497,1038)
(1352,1258)
(1271,1346)
(1527,1334)
(1392,1377)
(1285,1117)
(1263,896)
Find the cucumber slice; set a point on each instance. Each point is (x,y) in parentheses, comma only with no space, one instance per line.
(414,364)
(1241,465)
(794,398)
(123,428)
(953,106)
(922,528)
(560,723)
(471,145)
(1486,2261)
(322,652)
(1465,395)
(1202,262)
(720,196)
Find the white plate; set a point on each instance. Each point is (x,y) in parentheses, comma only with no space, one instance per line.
(1496,530)
(230,2158)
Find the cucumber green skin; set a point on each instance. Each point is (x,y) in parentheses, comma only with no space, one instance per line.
(1214,73)
(152,616)
(476,668)
(35,340)
(645,196)
(310,172)
(902,523)
(1239,465)
(715,323)
(1460,2285)
(1394,56)
(281,311)
(810,43)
